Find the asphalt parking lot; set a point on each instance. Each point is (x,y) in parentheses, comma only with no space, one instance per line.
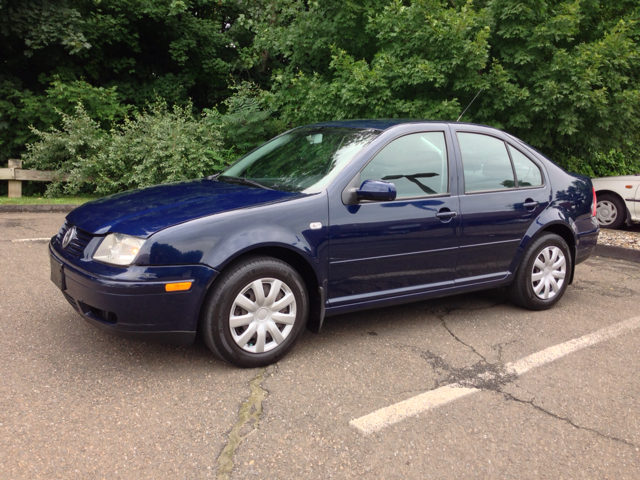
(77,403)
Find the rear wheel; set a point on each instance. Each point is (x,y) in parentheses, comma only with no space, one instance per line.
(544,273)
(610,211)
(256,312)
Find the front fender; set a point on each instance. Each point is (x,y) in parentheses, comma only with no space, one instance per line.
(217,240)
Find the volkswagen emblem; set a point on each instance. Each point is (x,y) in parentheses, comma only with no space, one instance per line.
(70,235)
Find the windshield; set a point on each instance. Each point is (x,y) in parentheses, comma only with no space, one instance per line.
(302,160)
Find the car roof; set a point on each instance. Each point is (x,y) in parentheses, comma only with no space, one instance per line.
(381,124)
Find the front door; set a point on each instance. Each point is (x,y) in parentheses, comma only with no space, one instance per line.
(382,249)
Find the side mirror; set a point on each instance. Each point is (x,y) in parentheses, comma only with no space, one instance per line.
(376,190)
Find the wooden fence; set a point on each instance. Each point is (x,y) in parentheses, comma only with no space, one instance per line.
(16,175)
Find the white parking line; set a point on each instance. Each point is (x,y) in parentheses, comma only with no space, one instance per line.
(411,407)
(18,240)
(550,354)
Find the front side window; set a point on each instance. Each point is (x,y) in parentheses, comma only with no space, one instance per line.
(302,160)
(486,163)
(416,164)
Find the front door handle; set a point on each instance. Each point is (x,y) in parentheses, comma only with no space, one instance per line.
(446,215)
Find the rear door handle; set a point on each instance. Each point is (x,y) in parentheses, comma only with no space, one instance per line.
(530,204)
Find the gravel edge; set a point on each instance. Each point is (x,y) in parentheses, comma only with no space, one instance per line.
(618,253)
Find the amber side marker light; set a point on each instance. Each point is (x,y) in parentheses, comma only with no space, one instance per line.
(177,287)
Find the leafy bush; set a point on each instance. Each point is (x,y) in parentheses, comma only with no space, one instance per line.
(20,109)
(605,164)
(156,146)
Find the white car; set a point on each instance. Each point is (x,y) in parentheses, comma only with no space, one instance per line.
(618,200)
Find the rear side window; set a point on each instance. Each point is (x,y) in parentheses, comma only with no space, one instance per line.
(527,172)
(485,162)
(416,164)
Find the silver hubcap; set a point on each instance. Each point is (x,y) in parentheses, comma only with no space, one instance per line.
(549,271)
(606,212)
(262,315)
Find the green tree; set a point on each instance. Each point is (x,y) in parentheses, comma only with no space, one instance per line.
(561,74)
(115,50)
(426,55)
(575,66)
(300,35)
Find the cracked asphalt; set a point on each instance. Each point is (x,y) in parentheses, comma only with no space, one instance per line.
(77,403)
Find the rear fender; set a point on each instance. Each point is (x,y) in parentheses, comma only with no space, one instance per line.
(555,220)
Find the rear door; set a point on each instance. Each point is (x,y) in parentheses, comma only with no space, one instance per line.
(503,192)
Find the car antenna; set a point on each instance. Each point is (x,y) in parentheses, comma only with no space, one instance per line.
(474,99)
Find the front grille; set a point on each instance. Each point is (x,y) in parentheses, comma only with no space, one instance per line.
(77,244)
(63,230)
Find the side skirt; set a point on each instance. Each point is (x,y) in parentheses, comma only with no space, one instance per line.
(416,297)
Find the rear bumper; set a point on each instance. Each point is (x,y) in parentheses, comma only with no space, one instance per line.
(587,241)
(138,308)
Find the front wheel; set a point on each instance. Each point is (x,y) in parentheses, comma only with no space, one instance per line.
(255,312)
(544,273)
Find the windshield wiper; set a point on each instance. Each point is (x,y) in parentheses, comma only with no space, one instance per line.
(242,181)
(414,179)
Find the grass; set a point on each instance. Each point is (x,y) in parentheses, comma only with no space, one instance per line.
(45,200)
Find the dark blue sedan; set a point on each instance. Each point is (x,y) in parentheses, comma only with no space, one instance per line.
(322,220)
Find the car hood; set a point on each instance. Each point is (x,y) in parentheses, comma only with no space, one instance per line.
(145,211)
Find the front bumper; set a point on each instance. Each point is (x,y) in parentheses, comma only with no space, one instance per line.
(138,307)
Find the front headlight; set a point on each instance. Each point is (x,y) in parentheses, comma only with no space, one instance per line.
(118,249)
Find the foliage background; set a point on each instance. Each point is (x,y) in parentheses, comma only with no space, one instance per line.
(130,93)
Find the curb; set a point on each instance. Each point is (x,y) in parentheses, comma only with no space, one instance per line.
(62,208)
(618,253)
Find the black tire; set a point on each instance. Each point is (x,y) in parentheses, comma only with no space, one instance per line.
(610,203)
(217,311)
(522,290)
